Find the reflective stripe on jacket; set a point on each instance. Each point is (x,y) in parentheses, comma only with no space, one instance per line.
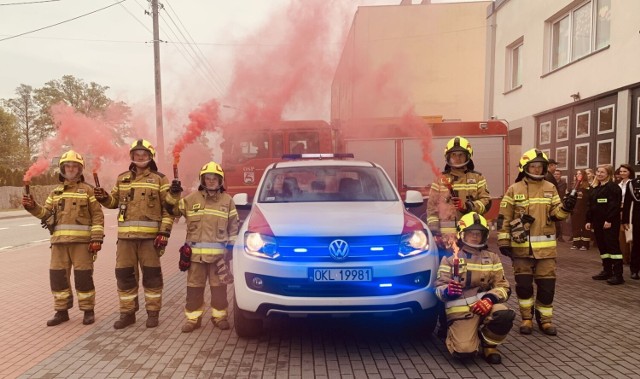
(538,198)
(78,215)
(481,275)
(141,200)
(468,185)
(212,223)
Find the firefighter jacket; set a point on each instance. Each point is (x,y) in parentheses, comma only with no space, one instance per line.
(632,197)
(481,275)
(72,213)
(536,198)
(212,224)
(465,184)
(141,198)
(604,204)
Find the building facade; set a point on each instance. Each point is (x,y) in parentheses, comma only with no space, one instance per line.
(564,74)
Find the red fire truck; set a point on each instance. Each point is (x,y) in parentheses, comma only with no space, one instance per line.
(391,142)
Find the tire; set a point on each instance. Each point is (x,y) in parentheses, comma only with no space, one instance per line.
(246,327)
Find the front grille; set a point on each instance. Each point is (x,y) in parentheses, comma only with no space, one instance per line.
(317,248)
(296,287)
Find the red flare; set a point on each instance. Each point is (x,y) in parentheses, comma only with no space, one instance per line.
(95,179)
(26,187)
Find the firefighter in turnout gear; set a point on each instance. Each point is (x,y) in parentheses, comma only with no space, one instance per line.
(212,228)
(631,212)
(526,234)
(603,217)
(144,226)
(76,222)
(458,191)
(472,285)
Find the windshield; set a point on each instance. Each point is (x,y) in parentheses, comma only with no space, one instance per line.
(326,183)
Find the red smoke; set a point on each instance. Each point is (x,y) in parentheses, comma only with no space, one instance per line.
(204,118)
(95,139)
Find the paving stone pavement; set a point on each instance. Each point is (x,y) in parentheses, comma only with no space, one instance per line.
(598,337)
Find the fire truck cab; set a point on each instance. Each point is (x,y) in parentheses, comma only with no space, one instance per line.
(248,150)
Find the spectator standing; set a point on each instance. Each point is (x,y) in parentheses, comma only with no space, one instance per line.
(603,216)
(562,191)
(581,236)
(631,213)
(625,173)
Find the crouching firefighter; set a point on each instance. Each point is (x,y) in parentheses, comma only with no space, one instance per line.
(212,228)
(76,222)
(526,234)
(144,226)
(472,285)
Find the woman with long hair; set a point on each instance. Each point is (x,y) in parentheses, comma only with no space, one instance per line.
(630,216)
(603,216)
(580,236)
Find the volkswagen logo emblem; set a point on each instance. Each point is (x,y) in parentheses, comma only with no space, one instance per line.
(339,250)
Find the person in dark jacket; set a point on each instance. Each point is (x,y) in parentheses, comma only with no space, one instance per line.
(581,236)
(603,216)
(631,212)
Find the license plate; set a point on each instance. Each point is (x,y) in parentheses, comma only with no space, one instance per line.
(357,274)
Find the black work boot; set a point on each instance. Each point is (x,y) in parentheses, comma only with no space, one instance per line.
(89,318)
(58,318)
(153,319)
(221,322)
(615,280)
(491,354)
(126,319)
(603,275)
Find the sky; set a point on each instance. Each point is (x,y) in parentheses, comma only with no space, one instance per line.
(113,48)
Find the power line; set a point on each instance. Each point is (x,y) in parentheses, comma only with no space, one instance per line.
(136,18)
(61,22)
(202,56)
(29,2)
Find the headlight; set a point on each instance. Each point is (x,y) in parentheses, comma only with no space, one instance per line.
(413,243)
(260,245)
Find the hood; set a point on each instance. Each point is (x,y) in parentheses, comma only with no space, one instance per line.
(334,219)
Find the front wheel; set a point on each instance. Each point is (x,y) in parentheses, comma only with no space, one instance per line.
(246,327)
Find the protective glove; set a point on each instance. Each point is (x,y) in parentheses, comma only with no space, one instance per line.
(568,203)
(176,187)
(100,194)
(95,246)
(161,241)
(506,251)
(482,307)
(228,254)
(461,206)
(27,202)
(224,271)
(185,257)
(454,289)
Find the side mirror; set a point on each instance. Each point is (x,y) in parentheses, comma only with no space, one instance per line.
(241,201)
(413,199)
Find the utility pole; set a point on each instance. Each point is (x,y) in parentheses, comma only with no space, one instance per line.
(156,64)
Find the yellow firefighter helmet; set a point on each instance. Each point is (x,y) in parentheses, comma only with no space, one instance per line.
(473,221)
(71,156)
(458,143)
(212,168)
(533,155)
(145,145)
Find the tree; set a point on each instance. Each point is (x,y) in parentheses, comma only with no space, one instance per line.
(88,99)
(25,110)
(11,153)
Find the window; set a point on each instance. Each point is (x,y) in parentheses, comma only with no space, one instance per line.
(545,132)
(514,64)
(582,155)
(606,118)
(638,114)
(637,149)
(605,152)
(582,124)
(304,142)
(561,157)
(579,31)
(562,129)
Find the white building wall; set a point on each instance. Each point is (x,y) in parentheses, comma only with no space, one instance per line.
(603,71)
